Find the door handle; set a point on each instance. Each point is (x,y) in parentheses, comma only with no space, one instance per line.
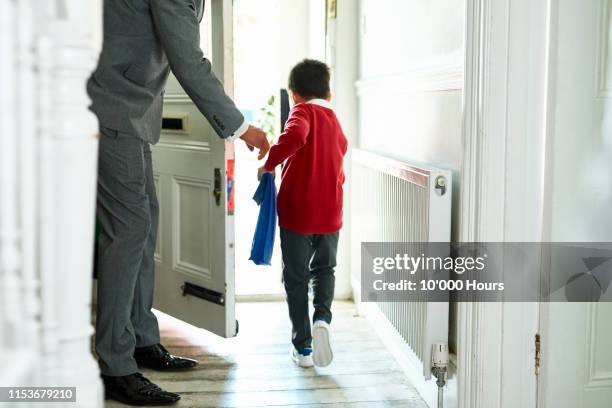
(217,189)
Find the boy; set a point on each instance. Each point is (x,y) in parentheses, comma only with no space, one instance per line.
(312,149)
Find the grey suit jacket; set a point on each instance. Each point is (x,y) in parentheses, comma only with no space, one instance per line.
(143,40)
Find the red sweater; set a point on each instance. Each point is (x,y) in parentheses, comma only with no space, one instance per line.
(313,147)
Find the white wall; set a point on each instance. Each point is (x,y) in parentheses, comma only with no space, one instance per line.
(294,35)
(411,85)
(411,81)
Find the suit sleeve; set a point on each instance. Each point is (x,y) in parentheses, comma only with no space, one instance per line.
(178,28)
(293,139)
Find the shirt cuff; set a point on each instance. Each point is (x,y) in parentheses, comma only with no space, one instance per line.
(238,133)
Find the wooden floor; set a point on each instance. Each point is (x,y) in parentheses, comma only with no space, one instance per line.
(255,370)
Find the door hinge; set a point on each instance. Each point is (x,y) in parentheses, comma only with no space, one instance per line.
(538,353)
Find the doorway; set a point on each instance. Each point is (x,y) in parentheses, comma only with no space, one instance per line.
(270,36)
(257,83)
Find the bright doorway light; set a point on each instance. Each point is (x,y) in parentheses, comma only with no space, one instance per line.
(270,37)
(256,80)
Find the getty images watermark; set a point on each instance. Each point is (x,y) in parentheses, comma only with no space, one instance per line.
(486,272)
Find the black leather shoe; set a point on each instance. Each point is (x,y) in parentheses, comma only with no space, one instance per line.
(157,357)
(135,389)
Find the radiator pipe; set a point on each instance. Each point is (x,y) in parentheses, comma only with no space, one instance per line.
(440,374)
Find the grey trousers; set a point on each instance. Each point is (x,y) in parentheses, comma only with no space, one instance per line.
(306,257)
(128,211)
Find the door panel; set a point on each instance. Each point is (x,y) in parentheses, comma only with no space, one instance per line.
(191,220)
(194,257)
(577,356)
(599,360)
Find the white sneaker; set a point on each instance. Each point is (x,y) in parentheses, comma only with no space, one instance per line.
(323,354)
(302,359)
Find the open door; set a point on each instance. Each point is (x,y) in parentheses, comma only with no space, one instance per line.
(576,365)
(195,247)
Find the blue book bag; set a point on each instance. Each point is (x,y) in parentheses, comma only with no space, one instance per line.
(263,241)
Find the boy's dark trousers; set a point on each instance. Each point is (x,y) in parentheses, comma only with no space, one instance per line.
(306,257)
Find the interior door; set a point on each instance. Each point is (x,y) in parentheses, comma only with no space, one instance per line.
(576,337)
(195,246)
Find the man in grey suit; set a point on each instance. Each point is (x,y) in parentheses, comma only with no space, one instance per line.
(143,40)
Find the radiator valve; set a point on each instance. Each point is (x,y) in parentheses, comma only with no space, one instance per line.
(439,355)
(439,367)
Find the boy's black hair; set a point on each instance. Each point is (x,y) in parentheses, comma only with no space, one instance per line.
(310,79)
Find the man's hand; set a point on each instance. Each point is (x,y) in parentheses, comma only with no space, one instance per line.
(261,171)
(256,138)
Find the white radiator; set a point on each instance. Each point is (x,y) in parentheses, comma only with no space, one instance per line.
(394,201)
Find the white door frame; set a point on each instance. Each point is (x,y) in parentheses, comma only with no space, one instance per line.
(505,101)
(548,170)
(68,148)
(47,196)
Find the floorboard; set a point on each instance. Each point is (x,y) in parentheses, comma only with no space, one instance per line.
(253,370)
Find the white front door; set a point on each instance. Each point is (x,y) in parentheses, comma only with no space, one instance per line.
(577,337)
(195,255)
